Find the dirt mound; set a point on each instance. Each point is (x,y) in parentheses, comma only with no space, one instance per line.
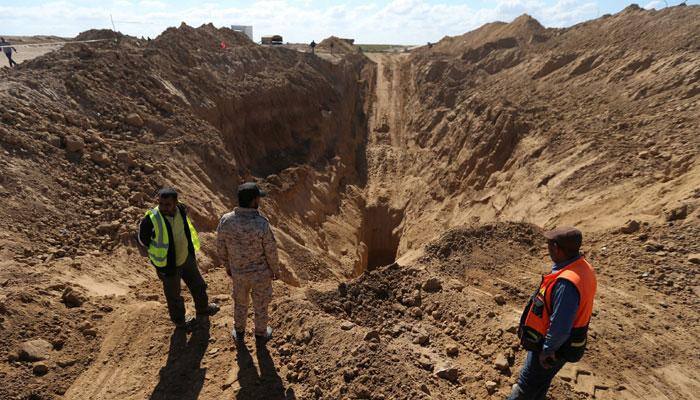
(99,34)
(462,299)
(513,123)
(111,131)
(337,45)
(192,38)
(523,30)
(477,246)
(84,133)
(453,331)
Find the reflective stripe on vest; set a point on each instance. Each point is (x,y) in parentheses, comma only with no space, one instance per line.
(193,235)
(158,248)
(160,243)
(536,316)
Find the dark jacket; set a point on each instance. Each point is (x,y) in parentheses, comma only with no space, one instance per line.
(146,234)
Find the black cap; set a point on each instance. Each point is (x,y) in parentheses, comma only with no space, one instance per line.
(566,237)
(167,192)
(249,191)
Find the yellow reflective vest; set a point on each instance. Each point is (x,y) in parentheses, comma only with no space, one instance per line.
(160,242)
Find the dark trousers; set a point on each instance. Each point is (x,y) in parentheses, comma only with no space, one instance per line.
(534,380)
(189,273)
(12,62)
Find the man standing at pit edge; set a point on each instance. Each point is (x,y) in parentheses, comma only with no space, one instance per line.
(168,237)
(554,325)
(247,249)
(7,48)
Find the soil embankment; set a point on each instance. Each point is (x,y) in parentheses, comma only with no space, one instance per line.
(407,191)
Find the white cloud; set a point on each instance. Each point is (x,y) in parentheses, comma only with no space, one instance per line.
(152,4)
(399,21)
(655,5)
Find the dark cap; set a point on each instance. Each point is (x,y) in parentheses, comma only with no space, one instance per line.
(566,237)
(249,191)
(167,192)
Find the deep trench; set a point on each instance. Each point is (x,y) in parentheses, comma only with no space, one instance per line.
(381,231)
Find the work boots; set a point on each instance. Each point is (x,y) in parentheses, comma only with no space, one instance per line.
(238,336)
(261,340)
(191,322)
(188,324)
(212,308)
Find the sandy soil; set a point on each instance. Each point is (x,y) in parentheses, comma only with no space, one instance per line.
(29,47)
(408,193)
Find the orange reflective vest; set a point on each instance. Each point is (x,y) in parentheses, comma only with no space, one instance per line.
(534,322)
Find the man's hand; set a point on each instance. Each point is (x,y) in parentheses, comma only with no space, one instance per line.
(547,359)
(142,250)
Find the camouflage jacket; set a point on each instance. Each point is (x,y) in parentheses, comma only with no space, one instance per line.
(245,242)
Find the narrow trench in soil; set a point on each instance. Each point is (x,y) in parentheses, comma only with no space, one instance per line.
(382,225)
(381,234)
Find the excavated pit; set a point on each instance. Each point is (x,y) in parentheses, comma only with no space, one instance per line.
(392,327)
(380,233)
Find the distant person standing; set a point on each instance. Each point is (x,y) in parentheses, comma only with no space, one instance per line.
(8,49)
(313,46)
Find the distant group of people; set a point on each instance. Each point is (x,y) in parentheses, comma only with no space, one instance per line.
(7,48)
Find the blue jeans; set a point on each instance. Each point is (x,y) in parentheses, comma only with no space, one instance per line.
(534,380)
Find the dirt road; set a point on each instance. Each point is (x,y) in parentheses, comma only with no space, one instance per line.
(29,48)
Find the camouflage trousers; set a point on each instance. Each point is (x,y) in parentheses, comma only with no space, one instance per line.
(255,285)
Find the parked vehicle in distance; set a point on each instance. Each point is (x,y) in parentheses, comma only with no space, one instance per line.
(273,40)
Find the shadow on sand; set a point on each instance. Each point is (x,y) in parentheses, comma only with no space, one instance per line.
(266,384)
(182,377)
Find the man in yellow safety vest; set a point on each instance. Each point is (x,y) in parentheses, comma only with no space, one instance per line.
(167,236)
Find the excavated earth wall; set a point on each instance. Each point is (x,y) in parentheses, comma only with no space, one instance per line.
(89,133)
(407,193)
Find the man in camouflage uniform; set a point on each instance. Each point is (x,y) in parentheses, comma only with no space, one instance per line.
(247,248)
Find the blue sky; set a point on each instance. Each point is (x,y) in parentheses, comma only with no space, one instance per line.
(391,21)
